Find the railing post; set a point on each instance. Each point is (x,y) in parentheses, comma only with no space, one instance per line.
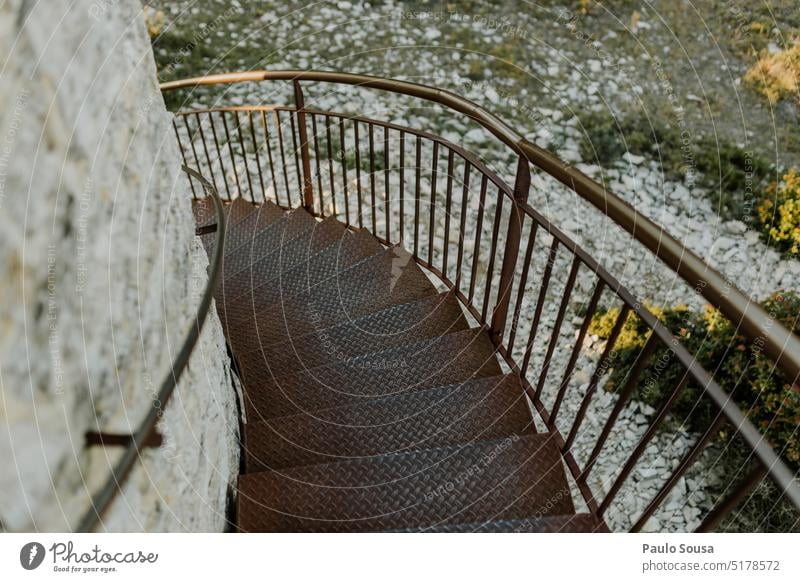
(300,105)
(522,185)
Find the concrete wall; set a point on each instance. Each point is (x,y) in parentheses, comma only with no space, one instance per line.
(101,277)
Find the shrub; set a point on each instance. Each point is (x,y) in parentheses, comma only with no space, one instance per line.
(777,75)
(738,365)
(779,213)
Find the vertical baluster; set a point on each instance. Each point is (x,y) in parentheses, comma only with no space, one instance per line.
(687,461)
(448,206)
(576,350)
(476,250)
(344,171)
(562,309)
(295,149)
(219,154)
(661,414)
(386,203)
(418,196)
(320,191)
(463,224)
(432,209)
(205,149)
(523,281)
(372,178)
(191,141)
(244,156)
(258,157)
(269,156)
(402,185)
(724,508)
(283,158)
(330,166)
(540,301)
(358,176)
(183,156)
(521,187)
(230,151)
(308,184)
(492,254)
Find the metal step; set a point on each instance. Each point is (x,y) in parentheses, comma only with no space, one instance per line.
(480,409)
(292,254)
(251,246)
(578,523)
(395,326)
(439,361)
(512,478)
(381,281)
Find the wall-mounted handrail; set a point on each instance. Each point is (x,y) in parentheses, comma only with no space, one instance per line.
(113,484)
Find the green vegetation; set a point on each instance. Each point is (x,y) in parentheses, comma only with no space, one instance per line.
(779,214)
(743,371)
(738,365)
(777,76)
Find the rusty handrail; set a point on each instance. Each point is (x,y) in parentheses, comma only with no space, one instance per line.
(139,439)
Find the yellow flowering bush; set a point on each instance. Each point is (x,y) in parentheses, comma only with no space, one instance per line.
(779,213)
(777,75)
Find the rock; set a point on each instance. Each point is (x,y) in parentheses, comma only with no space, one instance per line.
(632,158)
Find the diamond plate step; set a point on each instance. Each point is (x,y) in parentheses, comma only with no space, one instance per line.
(512,478)
(395,326)
(376,283)
(253,245)
(578,523)
(439,361)
(290,255)
(241,311)
(481,409)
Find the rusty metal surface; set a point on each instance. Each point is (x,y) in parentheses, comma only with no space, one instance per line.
(511,478)
(480,409)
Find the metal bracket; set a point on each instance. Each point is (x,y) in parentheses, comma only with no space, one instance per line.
(107,439)
(207,229)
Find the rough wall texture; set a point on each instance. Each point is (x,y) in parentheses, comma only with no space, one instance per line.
(101,276)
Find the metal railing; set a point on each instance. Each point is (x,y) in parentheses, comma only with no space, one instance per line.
(479,236)
(144,435)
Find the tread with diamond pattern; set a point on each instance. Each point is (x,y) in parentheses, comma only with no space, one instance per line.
(241,311)
(511,478)
(285,271)
(365,287)
(290,255)
(578,523)
(243,230)
(395,326)
(252,247)
(439,361)
(480,409)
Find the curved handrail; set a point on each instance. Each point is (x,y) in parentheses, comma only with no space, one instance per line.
(778,342)
(102,499)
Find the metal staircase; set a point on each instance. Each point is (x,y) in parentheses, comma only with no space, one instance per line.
(370,403)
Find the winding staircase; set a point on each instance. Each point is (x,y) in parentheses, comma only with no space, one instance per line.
(370,403)
(394,306)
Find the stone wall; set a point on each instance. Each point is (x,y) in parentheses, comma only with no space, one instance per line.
(101,277)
